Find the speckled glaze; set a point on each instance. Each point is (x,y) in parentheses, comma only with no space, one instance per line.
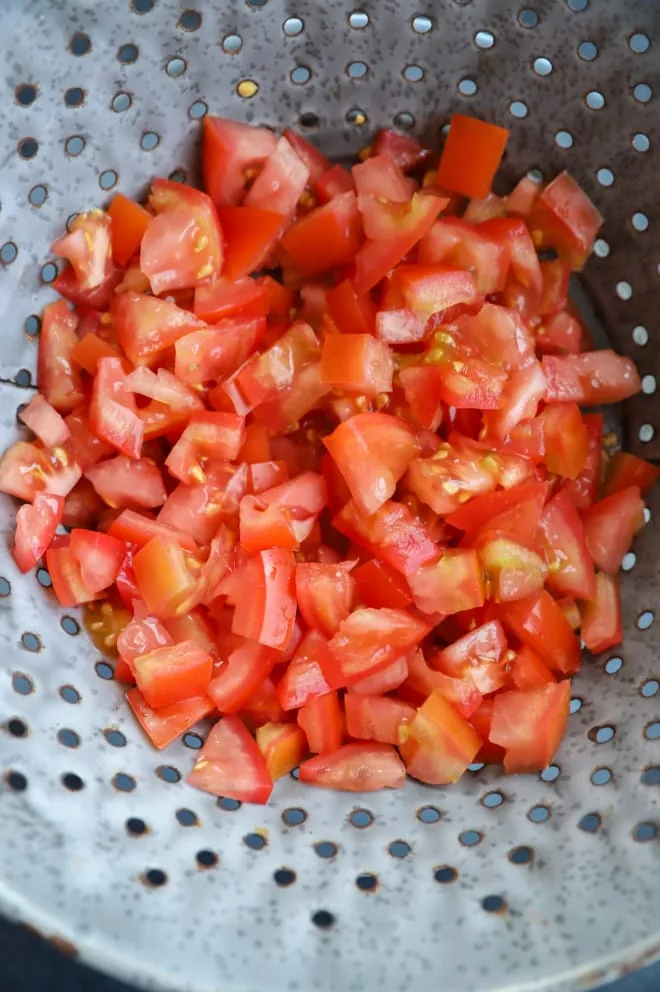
(580,903)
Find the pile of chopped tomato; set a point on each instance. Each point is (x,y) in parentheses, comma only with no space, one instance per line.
(312,446)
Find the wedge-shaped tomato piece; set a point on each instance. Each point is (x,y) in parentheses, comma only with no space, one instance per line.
(497,335)
(456,242)
(590,378)
(583,489)
(224,298)
(129,222)
(281,182)
(519,401)
(471,155)
(564,217)
(560,334)
(163,725)
(422,680)
(381,176)
(232,153)
(334,182)
(523,196)
(356,768)
(394,232)
(322,720)
(357,362)
(267,614)
(44,421)
(68,286)
(59,380)
(263,376)
(516,511)
(308,153)
(377,584)
(562,537)
(540,623)
(326,237)
(602,624)
(164,578)
(216,352)
(283,746)
(351,313)
(230,764)
(422,387)
(528,671)
(240,676)
(293,403)
(372,451)
(35,529)
(207,436)
(169,675)
(624,470)
(90,349)
(529,724)
(450,477)
(263,705)
(199,510)
(265,475)
(100,557)
(86,448)
(610,526)
(128,482)
(403,149)
(283,516)
(384,680)
(141,636)
(303,679)
(435,289)
(147,326)
(324,594)
(524,267)
(370,640)
(113,416)
(393,534)
(566,439)
(376,718)
(194,626)
(249,235)
(450,584)
(513,569)
(138,529)
(438,744)
(472,384)
(88,248)
(479,656)
(66,577)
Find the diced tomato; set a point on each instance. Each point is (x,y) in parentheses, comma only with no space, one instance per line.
(528,671)
(128,482)
(35,529)
(380,176)
(376,718)
(356,768)
(284,515)
(523,197)
(393,534)
(370,640)
(141,636)
(164,577)
(454,241)
(215,352)
(498,335)
(281,182)
(147,326)
(59,380)
(610,526)
(602,624)
(87,247)
(452,583)
(571,611)
(137,529)
(304,680)
(323,722)
(207,436)
(439,744)
(518,401)
(556,274)
(334,182)
(449,478)
(229,298)
(268,613)
(44,421)
(590,378)
(263,705)
(249,235)
(86,448)
(540,623)
(623,471)
(571,570)
(232,151)
(112,413)
(471,155)
(478,656)
(230,764)
(66,577)
(423,680)
(422,387)
(100,557)
(565,218)
(517,511)
(68,286)
(283,746)
(440,290)
(169,675)
(357,362)
(163,725)
(265,475)
(129,222)
(326,237)
(351,313)
(240,676)
(377,584)
(513,568)
(560,334)
(324,594)
(583,490)
(566,438)
(529,724)
(384,680)
(265,375)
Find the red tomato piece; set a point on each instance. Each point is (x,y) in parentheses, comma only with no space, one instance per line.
(129,222)
(422,387)
(323,722)
(89,349)
(566,438)
(357,362)
(590,378)
(281,182)
(403,149)
(216,352)
(265,375)
(453,241)
(100,557)
(524,264)
(447,479)
(283,746)
(86,448)
(472,384)
(384,680)
(137,529)
(556,274)
(324,594)
(230,298)
(67,285)
(512,569)
(623,471)
(194,626)
(308,153)
(571,611)
(240,676)
(610,526)
(529,724)
(128,482)
(523,197)
(452,583)
(164,725)
(540,623)
(351,313)
(147,326)
(439,743)
(293,403)
(372,452)
(268,613)
(518,401)
(231,153)
(230,764)
(376,718)
(168,675)
(497,335)
(285,514)
(528,671)
(263,705)
(356,768)
(59,381)
(112,412)
(371,639)
(303,679)
(602,624)
(141,636)
(471,155)
(66,577)
(423,680)
(44,421)
(249,235)
(265,475)
(207,436)
(165,581)
(87,247)
(440,290)
(517,511)
(560,334)
(564,217)
(382,177)
(326,237)
(583,490)
(35,529)
(571,570)
(393,534)
(377,584)
(334,182)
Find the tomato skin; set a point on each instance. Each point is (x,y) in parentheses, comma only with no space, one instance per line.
(529,724)
(439,744)
(323,722)
(602,624)
(147,326)
(166,583)
(35,529)
(540,623)
(450,584)
(471,155)
(99,555)
(325,238)
(240,676)
(377,584)
(564,217)
(357,362)
(281,182)
(59,380)
(112,413)
(384,680)
(230,764)
(376,718)
(283,746)
(590,378)
(393,534)
(571,568)
(528,671)
(163,725)
(610,526)
(370,640)
(583,490)
(268,614)
(304,679)
(168,675)
(128,482)
(129,222)
(325,594)
(625,470)
(356,768)
(249,235)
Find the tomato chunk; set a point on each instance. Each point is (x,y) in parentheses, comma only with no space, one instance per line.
(163,725)
(376,718)
(230,764)
(164,578)
(267,615)
(326,237)
(323,722)
(540,623)
(610,526)
(529,724)
(370,640)
(564,217)
(602,625)
(471,155)
(357,362)
(623,471)
(283,746)
(35,529)
(452,583)
(438,744)
(590,378)
(240,676)
(571,570)
(356,768)
(59,380)
(129,222)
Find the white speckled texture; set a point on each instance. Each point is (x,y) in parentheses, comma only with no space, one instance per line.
(587,904)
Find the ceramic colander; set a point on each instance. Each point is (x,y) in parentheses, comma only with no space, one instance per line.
(545,882)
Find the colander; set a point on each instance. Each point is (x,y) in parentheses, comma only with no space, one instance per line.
(545,882)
